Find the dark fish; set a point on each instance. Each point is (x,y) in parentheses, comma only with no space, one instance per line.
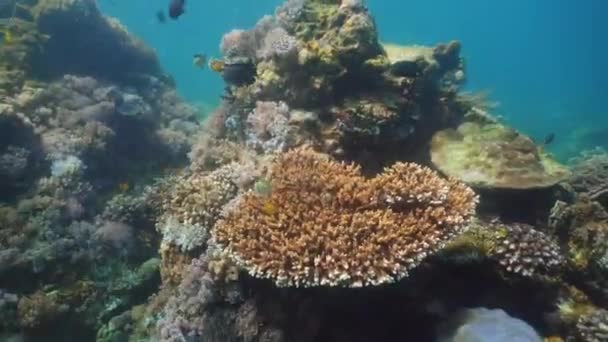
(176,8)
(549,139)
(160,16)
(239,73)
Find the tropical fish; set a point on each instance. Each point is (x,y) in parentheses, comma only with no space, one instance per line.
(216,65)
(549,139)
(269,208)
(124,187)
(176,8)
(239,72)
(199,60)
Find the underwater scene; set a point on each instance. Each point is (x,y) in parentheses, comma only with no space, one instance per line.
(303,171)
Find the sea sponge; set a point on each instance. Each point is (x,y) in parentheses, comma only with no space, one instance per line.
(494,156)
(322,223)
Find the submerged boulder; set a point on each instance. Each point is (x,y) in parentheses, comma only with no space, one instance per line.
(494,156)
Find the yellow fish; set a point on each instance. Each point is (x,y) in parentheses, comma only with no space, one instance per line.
(123,187)
(269,208)
(8,37)
(216,65)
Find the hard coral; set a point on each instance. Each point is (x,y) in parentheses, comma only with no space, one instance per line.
(194,205)
(494,156)
(590,175)
(324,224)
(523,250)
(593,327)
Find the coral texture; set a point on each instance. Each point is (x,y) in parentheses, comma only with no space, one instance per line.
(324,224)
(193,206)
(494,156)
(593,327)
(590,175)
(522,249)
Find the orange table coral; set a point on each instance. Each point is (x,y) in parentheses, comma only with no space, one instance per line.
(324,224)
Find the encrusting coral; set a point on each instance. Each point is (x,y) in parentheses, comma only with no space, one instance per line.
(322,223)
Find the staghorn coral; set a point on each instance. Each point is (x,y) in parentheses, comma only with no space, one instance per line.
(324,224)
(593,327)
(494,156)
(523,250)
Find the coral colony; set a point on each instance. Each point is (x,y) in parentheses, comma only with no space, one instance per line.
(345,189)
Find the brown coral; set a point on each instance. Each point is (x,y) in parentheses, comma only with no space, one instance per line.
(323,223)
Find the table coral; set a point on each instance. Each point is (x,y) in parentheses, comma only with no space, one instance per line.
(494,156)
(324,224)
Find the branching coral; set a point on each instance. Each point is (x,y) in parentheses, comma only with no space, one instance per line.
(590,175)
(194,205)
(324,224)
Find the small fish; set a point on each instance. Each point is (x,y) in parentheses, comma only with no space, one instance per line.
(216,65)
(8,37)
(239,73)
(268,208)
(199,60)
(124,187)
(176,8)
(160,16)
(549,139)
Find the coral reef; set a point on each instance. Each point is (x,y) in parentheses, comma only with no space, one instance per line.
(324,224)
(303,209)
(333,85)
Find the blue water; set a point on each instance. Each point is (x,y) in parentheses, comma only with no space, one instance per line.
(545,61)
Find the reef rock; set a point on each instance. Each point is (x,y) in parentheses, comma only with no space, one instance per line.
(494,156)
